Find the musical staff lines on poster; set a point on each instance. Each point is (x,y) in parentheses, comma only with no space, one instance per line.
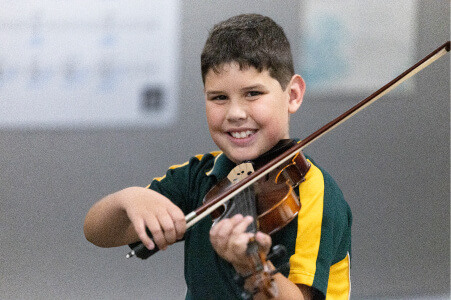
(76,64)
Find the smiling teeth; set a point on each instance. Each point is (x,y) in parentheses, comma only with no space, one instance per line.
(242,134)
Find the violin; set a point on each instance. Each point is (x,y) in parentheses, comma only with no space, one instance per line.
(225,195)
(277,202)
(274,194)
(272,202)
(272,182)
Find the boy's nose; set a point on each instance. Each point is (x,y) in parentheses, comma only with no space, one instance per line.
(236,111)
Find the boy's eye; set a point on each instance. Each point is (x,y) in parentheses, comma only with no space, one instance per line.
(253,93)
(219,97)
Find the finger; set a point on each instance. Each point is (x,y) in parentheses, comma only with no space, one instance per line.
(179,222)
(239,238)
(168,227)
(220,233)
(239,244)
(157,232)
(242,225)
(140,229)
(229,225)
(264,241)
(221,227)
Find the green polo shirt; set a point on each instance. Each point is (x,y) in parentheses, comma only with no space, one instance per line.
(318,240)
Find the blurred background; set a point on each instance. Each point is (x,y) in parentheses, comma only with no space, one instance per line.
(96,96)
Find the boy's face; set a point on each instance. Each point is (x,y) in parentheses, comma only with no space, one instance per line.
(247,111)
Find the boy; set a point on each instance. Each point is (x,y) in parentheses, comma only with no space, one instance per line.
(250,91)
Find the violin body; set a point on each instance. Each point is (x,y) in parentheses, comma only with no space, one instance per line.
(277,203)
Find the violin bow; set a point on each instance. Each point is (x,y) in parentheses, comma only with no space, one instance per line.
(196,215)
(200,213)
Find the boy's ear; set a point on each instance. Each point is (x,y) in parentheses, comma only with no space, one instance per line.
(296,89)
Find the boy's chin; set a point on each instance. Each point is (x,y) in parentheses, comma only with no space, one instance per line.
(241,157)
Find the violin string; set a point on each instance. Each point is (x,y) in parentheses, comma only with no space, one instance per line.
(245,204)
(195,216)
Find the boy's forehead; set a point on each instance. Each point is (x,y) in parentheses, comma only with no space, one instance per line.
(233,65)
(231,75)
(235,68)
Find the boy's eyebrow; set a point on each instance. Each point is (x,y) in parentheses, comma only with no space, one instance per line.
(214,92)
(253,87)
(246,88)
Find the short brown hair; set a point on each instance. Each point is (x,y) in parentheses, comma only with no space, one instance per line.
(250,40)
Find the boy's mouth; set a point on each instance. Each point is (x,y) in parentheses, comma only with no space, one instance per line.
(242,134)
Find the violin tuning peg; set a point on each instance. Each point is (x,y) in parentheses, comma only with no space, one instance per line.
(278,251)
(281,269)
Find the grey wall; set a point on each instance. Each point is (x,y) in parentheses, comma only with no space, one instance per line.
(392,162)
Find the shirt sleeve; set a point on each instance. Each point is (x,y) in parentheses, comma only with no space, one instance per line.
(181,182)
(323,224)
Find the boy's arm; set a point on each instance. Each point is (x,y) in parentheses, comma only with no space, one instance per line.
(121,218)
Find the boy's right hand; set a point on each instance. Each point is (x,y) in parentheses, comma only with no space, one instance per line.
(121,218)
(146,208)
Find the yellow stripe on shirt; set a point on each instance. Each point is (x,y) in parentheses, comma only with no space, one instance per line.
(199,157)
(339,280)
(311,195)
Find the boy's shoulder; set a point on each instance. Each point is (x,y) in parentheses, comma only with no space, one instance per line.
(207,164)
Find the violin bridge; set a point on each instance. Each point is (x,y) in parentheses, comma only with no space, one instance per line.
(241,171)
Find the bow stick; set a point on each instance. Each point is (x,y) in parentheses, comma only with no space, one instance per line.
(203,211)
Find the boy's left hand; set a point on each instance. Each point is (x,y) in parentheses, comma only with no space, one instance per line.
(229,239)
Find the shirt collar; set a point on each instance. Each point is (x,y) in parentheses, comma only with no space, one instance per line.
(221,167)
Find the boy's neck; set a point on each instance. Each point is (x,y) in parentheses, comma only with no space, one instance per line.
(275,151)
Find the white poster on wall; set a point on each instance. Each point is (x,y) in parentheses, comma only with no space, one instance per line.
(83,64)
(356,45)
